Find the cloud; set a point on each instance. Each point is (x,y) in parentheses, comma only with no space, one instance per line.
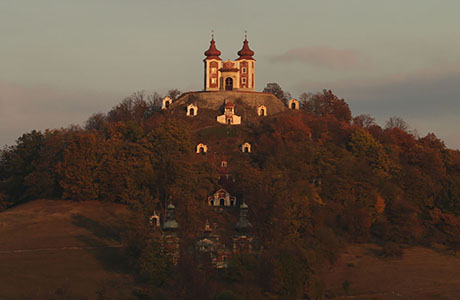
(323,57)
(24,108)
(429,99)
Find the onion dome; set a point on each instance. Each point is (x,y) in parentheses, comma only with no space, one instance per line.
(245,52)
(243,225)
(171,223)
(212,52)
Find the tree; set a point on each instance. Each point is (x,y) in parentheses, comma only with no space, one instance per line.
(17,162)
(95,122)
(327,104)
(174,94)
(364,120)
(397,122)
(275,89)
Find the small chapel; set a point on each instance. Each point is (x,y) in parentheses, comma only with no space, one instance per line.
(229,75)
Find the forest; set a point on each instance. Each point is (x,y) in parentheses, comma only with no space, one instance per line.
(317,179)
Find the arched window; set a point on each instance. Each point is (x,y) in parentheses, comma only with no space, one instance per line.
(262,112)
(293,106)
(222,202)
(167,104)
(192,112)
(232,203)
(228,84)
(212,202)
(229,121)
(246,149)
(202,150)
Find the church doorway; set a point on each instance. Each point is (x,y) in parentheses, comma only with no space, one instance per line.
(228,84)
(293,106)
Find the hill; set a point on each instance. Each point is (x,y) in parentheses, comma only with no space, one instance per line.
(50,247)
(316,180)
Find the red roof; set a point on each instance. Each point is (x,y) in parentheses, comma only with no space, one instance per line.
(245,52)
(212,52)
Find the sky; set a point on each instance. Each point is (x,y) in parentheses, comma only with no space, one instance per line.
(63,60)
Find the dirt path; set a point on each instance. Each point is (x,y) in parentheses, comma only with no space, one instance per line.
(59,248)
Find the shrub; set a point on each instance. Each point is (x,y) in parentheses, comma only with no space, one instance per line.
(391,250)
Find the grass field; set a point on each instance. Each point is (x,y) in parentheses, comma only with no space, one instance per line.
(422,273)
(62,248)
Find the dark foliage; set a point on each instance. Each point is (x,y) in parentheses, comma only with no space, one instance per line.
(315,180)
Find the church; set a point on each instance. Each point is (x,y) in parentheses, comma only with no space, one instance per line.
(229,75)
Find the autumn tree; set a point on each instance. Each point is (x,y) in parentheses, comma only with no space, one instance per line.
(275,89)
(327,104)
(364,120)
(174,94)
(17,162)
(397,122)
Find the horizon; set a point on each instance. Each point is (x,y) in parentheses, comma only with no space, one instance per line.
(64,61)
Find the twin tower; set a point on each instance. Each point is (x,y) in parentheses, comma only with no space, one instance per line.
(229,75)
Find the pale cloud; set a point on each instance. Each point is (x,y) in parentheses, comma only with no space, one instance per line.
(25,108)
(323,57)
(428,99)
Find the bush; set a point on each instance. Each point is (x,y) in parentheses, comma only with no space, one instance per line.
(391,250)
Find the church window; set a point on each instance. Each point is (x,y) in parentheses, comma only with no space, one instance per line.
(228,84)
(262,112)
(223,164)
(212,202)
(213,70)
(244,70)
(167,104)
(213,80)
(244,79)
(202,150)
(192,112)
(222,202)
(232,203)
(229,121)
(293,105)
(246,149)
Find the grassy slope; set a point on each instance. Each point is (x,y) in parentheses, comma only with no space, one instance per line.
(422,273)
(47,245)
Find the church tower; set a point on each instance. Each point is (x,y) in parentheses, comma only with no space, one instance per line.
(212,64)
(246,67)
(237,75)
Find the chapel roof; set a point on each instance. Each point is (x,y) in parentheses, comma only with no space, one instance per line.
(212,52)
(245,52)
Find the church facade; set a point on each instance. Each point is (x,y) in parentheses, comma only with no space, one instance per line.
(229,75)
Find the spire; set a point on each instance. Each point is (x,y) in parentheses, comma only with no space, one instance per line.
(171,223)
(212,52)
(245,52)
(243,225)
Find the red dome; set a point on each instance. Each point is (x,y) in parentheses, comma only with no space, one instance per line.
(245,52)
(212,52)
